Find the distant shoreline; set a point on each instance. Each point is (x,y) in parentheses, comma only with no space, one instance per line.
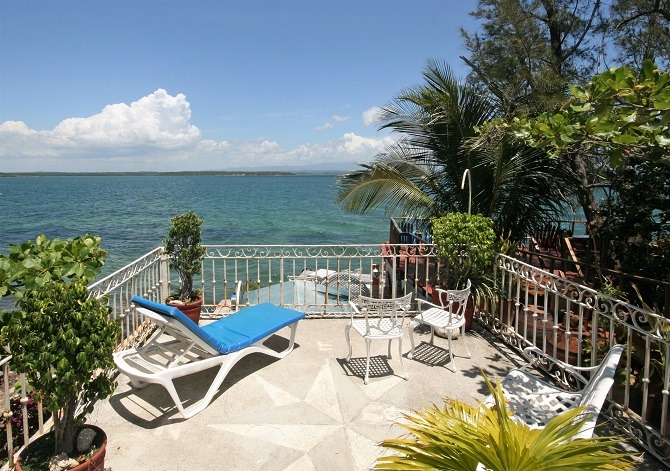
(153,174)
(163,174)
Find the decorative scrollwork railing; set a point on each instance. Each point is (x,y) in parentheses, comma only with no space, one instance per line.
(280,273)
(578,325)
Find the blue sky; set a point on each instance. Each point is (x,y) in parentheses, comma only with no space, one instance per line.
(210,85)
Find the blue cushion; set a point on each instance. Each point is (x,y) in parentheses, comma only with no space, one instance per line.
(236,331)
(253,323)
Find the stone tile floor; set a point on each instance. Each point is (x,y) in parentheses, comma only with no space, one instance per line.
(308,411)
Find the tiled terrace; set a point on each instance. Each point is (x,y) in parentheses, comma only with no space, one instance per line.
(308,411)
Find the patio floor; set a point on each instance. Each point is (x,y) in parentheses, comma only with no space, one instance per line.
(308,411)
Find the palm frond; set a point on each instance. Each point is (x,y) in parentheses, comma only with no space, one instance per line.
(459,436)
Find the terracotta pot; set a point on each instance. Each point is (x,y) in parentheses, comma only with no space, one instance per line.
(96,463)
(191,310)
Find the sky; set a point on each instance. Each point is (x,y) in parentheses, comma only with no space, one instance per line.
(155,85)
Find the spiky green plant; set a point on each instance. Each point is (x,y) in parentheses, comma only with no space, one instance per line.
(459,436)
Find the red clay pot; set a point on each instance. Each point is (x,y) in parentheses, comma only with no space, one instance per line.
(191,310)
(96,463)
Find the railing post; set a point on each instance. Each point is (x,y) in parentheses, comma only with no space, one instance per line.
(375,280)
(164,281)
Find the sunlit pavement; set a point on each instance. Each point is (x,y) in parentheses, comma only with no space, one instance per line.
(307,411)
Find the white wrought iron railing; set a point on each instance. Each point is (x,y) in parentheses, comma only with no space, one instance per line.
(534,307)
(578,325)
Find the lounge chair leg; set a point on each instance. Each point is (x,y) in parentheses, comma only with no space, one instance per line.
(367,361)
(451,355)
(389,349)
(347,328)
(411,326)
(464,343)
(400,356)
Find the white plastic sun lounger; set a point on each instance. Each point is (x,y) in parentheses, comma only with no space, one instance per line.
(180,347)
(535,402)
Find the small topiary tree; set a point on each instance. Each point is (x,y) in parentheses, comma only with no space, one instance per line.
(182,245)
(63,341)
(60,338)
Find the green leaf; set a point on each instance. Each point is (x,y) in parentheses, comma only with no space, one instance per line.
(581,108)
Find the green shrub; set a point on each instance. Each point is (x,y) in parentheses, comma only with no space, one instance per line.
(466,246)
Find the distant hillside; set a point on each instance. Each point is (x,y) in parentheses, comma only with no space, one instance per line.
(149,174)
(327,167)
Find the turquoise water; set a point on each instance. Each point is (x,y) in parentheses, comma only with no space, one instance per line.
(132,213)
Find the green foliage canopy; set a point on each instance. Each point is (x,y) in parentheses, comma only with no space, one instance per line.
(620,112)
(466,246)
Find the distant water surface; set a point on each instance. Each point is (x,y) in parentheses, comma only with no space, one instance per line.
(132,213)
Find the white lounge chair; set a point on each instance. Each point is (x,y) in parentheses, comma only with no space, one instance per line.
(536,402)
(383,321)
(180,347)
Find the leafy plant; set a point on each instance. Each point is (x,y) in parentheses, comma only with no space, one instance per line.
(63,341)
(620,110)
(31,265)
(466,246)
(182,245)
(460,436)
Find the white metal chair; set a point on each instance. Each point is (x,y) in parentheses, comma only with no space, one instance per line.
(350,281)
(449,316)
(536,402)
(383,321)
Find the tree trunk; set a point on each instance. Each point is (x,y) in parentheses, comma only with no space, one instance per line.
(588,203)
(64,428)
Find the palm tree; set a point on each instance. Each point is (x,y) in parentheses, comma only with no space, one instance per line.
(420,174)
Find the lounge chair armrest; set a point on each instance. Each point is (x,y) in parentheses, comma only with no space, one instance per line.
(536,410)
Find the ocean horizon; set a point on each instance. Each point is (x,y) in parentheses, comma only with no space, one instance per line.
(131,213)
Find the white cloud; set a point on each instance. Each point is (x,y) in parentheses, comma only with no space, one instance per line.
(372,116)
(157,119)
(324,127)
(16,127)
(341,118)
(155,133)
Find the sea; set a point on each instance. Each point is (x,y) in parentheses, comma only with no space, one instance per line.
(131,213)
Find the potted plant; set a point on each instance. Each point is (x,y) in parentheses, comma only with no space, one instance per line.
(466,246)
(63,341)
(463,436)
(182,246)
